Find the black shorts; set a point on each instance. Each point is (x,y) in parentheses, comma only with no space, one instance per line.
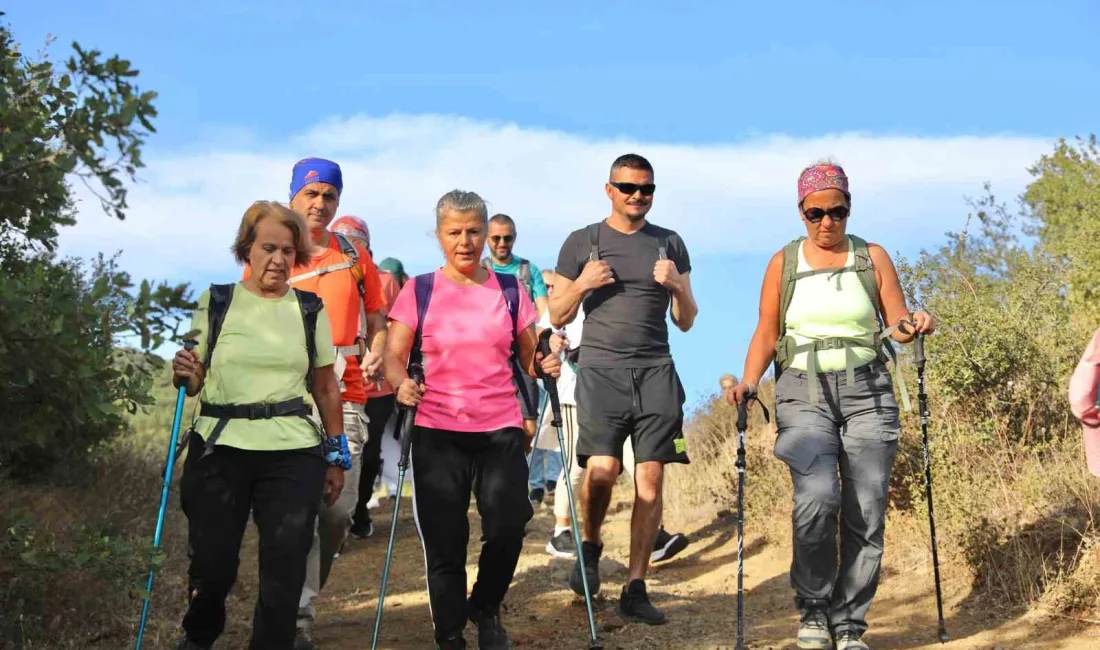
(646,404)
(528,394)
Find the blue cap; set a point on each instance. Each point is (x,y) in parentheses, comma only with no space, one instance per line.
(315,170)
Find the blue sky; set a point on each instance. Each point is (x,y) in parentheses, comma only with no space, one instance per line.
(528,105)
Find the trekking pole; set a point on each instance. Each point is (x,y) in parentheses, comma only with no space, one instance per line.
(922,400)
(181,394)
(742,426)
(556,421)
(407,415)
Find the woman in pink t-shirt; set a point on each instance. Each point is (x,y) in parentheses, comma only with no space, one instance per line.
(468,432)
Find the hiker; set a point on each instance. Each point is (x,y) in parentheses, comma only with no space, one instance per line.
(544,463)
(627,272)
(561,545)
(273,345)
(1083,401)
(502,237)
(823,299)
(344,276)
(468,430)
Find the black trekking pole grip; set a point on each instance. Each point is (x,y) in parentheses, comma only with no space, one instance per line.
(548,382)
(416,373)
(918,350)
(743,412)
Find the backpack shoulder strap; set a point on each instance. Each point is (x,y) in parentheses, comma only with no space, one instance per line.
(220,297)
(310,304)
(509,286)
(662,248)
(786,282)
(422,289)
(594,241)
(346,247)
(865,271)
(524,273)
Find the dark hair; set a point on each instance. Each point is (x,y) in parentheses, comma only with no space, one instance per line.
(504,219)
(260,210)
(631,161)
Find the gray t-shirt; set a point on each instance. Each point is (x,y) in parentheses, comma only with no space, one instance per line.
(625,324)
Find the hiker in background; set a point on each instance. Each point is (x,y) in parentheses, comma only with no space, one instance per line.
(381,408)
(561,545)
(502,237)
(544,463)
(629,274)
(277,468)
(822,306)
(1083,401)
(465,323)
(343,275)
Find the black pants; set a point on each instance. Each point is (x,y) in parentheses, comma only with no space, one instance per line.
(379,410)
(446,465)
(282,489)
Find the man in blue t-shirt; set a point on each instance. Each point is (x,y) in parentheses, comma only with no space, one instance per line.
(502,237)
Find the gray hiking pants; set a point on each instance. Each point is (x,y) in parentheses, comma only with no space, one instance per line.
(853,428)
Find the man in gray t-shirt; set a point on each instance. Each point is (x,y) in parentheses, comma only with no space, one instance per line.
(628,273)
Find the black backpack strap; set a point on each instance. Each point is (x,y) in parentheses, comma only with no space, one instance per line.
(310,305)
(593,242)
(221,295)
(422,286)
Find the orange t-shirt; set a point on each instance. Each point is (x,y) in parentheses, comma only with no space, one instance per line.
(338,291)
(390,289)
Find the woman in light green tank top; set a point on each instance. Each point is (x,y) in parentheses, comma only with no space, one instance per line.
(829,305)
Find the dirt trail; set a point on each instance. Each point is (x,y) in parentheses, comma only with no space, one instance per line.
(697,589)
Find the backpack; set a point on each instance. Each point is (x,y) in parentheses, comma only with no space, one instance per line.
(221,296)
(786,348)
(351,262)
(523,274)
(594,243)
(422,288)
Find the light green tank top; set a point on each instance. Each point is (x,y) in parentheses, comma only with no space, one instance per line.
(829,306)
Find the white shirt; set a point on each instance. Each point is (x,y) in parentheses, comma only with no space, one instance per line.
(567,382)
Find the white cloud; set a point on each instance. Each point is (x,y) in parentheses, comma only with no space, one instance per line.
(732,198)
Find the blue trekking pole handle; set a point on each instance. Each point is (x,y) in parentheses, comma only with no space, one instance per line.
(181,395)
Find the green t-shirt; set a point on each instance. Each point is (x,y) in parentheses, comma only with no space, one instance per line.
(261,357)
(537,288)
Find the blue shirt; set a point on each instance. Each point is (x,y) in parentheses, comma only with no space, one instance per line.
(538,286)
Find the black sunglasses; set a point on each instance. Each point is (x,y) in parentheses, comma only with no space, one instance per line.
(506,238)
(815,215)
(630,188)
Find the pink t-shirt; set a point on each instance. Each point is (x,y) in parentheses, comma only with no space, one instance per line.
(467,340)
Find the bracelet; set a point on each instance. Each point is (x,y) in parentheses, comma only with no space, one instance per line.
(336,452)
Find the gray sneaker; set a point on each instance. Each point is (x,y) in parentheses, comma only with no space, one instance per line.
(850,640)
(813,631)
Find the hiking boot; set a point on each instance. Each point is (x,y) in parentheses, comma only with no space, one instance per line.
(361,528)
(454,643)
(303,639)
(813,631)
(667,546)
(850,640)
(187,644)
(536,495)
(634,605)
(490,631)
(561,545)
(592,552)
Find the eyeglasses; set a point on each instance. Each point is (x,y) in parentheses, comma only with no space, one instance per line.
(507,239)
(815,215)
(630,188)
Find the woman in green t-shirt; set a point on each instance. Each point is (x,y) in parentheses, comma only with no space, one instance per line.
(255,447)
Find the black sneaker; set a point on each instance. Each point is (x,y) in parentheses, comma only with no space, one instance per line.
(592,552)
(303,639)
(634,605)
(361,528)
(454,643)
(536,495)
(561,545)
(490,631)
(667,545)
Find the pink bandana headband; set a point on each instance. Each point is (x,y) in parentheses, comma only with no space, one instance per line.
(822,177)
(350,225)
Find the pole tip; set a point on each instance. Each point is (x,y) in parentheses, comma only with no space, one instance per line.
(943,635)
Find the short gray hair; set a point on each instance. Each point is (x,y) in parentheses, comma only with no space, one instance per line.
(460,201)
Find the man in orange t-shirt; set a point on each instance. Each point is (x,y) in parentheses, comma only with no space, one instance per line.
(352,294)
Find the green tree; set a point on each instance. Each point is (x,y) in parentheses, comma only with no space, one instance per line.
(64,381)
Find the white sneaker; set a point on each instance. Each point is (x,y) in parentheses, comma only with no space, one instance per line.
(849,640)
(813,631)
(373,503)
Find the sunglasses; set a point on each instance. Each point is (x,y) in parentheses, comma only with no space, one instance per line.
(507,239)
(815,215)
(630,188)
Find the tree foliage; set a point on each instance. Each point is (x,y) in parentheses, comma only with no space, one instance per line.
(64,381)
